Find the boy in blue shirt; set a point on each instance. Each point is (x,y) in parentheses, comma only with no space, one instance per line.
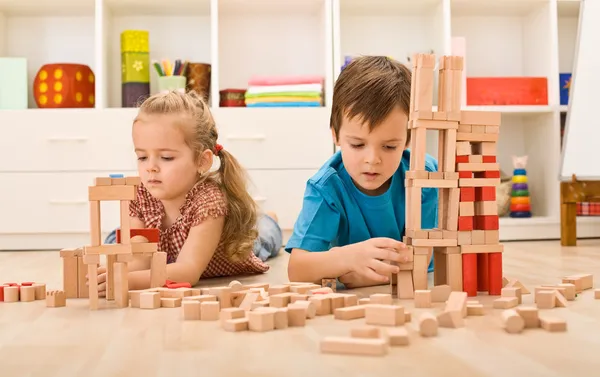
(353,216)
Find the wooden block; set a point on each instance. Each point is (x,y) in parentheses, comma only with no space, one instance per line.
(553,324)
(365,332)
(474,309)
(530,316)
(517,283)
(486,118)
(505,302)
(466,209)
(70,276)
(260,304)
(364,301)
(512,322)
(11,293)
(398,336)
(277,289)
(174,302)
(296,315)
(322,304)
(422,298)
(235,325)
(280,300)
(350,312)
(381,298)
(354,346)
(440,293)
(329,283)
(40,291)
(27,293)
(102,181)
(492,129)
(597,294)
(545,299)
(54,299)
(150,300)
(384,315)
(158,268)
(111,193)
(303,289)
(484,249)
(428,325)
(581,281)
(450,319)
(261,321)
(465,128)
(209,310)
(512,292)
(309,306)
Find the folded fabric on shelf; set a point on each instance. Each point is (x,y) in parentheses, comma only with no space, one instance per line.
(284,80)
(284,88)
(284,104)
(282,99)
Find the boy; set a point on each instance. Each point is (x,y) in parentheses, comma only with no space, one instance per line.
(353,216)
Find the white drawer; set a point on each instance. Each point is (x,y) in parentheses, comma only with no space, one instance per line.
(51,203)
(280,191)
(276,138)
(66,140)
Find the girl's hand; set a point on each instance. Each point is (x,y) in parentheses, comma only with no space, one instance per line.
(101,281)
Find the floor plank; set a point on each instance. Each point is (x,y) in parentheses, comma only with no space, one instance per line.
(73,341)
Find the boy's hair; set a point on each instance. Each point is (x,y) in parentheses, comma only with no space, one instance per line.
(370,87)
(198,125)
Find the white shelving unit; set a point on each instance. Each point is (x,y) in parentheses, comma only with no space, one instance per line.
(242,38)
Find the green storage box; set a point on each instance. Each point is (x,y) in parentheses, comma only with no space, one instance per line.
(13,83)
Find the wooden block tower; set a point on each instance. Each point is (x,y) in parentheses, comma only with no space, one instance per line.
(465,245)
(122,189)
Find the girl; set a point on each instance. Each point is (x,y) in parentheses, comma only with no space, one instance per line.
(208,221)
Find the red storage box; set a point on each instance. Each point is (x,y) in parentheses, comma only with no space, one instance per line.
(507,91)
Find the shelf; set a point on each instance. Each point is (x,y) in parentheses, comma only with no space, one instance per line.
(545,228)
(181,30)
(504,38)
(262,38)
(38,32)
(368,29)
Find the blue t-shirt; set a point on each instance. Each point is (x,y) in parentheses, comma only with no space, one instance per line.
(336,213)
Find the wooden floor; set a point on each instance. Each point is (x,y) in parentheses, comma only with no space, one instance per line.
(73,341)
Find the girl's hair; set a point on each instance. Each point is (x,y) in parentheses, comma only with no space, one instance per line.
(193,115)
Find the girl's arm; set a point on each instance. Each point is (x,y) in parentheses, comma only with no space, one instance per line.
(195,255)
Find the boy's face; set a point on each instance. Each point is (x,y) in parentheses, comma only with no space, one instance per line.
(371,158)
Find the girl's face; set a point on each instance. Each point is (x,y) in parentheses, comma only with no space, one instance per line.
(166,164)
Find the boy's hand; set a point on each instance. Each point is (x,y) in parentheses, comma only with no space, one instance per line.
(101,281)
(367,259)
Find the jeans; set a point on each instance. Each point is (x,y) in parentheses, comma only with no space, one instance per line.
(267,244)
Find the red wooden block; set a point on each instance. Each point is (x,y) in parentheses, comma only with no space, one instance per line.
(485,194)
(64,85)
(495,274)
(488,174)
(467,194)
(489,222)
(12,284)
(172,285)
(2,293)
(489,159)
(465,223)
(482,272)
(465,174)
(461,159)
(152,234)
(27,284)
(469,266)
(519,207)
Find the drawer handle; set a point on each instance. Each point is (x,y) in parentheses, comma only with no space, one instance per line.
(260,199)
(250,137)
(68,202)
(68,139)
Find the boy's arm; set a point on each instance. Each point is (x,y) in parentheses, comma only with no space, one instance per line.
(306,266)
(196,253)
(315,229)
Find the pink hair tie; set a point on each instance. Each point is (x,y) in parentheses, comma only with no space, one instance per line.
(218,148)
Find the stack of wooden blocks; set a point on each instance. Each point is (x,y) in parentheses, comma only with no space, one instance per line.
(465,245)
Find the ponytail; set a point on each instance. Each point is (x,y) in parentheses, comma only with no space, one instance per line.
(240,231)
